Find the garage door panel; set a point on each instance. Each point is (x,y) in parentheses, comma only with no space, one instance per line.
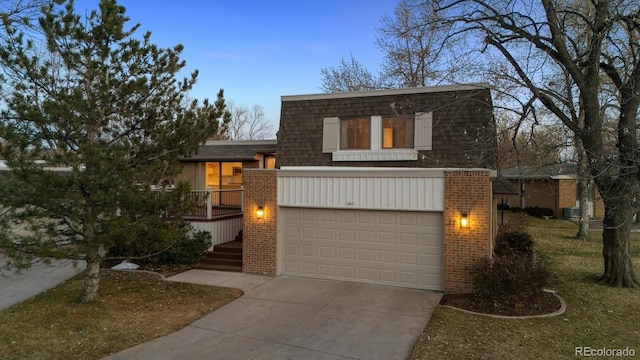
(383,247)
(408,258)
(308,250)
(291,250)
(346,235)
(346,253)
(366,255)
(409,219)
(346,272)
(327,216)
(366,218)
(348,217)
(327,270)
(385,218)
(388,257)
(326,234)
(385,237)
(407,239)
(327,252)
(310,232)
(366,236)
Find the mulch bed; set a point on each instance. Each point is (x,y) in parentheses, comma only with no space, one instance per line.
(538,304)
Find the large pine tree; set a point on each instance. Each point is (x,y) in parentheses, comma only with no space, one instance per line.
(107,104)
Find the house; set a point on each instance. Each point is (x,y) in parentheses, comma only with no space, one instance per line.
(389,187)
(553,186)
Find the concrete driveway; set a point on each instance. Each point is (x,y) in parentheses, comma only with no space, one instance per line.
(295,318)
(17,287)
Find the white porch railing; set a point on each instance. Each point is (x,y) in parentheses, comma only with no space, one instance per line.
(213,203)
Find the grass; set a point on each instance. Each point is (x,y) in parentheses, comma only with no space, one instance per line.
(597,316)
(133,308)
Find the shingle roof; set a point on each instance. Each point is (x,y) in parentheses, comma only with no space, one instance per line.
(540,172)
(233,150)
(500,186)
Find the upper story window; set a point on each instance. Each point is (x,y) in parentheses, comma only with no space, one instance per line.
(355,133)
(377,138)
(397,132)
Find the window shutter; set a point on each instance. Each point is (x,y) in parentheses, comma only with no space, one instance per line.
(330,134)
(423,133)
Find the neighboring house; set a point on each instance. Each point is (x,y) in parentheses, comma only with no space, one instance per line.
(389,187)
(552,186)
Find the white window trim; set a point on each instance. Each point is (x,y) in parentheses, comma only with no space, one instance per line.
(331,134)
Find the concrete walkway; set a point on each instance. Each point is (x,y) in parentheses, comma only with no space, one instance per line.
(294,318)
(17,287)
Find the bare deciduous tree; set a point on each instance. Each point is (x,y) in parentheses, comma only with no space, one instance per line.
(350,75)
(587,41)
(248,123)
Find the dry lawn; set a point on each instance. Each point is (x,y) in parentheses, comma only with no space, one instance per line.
(133,308)
(597,316)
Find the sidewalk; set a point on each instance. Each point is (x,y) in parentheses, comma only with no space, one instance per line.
(17,287)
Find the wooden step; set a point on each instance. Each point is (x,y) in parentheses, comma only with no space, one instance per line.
(210,261)
(224,257)
(218,267)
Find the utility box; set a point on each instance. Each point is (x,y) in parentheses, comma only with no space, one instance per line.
(571,212)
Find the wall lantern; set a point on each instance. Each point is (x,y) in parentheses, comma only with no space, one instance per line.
(464,220)
(260,212)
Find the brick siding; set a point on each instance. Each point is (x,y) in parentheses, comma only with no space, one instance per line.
(465,192)
(259,235)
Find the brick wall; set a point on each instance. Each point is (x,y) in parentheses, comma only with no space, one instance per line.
(567,195)
(259,235)
(465,191)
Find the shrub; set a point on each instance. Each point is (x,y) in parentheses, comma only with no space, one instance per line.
(509,276)
(513,241)
(187,252)
(504,206)
(538,212)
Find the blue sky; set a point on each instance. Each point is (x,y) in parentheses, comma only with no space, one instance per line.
(257,50)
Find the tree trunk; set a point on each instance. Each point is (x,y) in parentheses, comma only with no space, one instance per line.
(616,248)
(91,285)
(584,190)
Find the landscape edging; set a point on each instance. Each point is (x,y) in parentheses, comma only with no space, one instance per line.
(563,308)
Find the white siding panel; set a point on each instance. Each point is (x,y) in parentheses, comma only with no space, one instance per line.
(221,231)
(380,193)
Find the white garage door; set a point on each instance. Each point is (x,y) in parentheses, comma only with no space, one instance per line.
(382,247)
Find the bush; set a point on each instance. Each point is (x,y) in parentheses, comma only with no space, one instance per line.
(538,212)
(510,276)
(188,251)
(513,241)
(504,207)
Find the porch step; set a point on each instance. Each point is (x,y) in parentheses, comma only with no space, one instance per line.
(218,267)
(224,257)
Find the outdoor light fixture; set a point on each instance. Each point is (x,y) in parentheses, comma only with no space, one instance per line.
(464,220)
(260,212)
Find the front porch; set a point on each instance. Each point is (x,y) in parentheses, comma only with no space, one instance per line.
(218,212)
